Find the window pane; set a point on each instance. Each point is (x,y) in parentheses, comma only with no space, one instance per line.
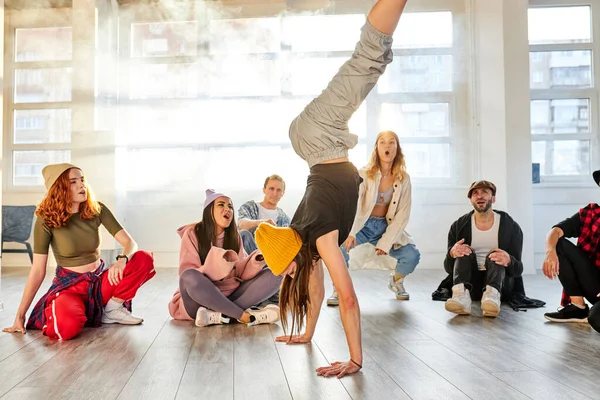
(42,85)
(559,25)
(164,39)
(427,160)
(562,157)
(424,29)
(42,126)
(218,122)
(27,165)
(163,81)
(218,168)
(359,155)
(245,35)
(326,32)
(240,76)
(416,119)
(43,44)
(146,169)
(310,76)
(215,121)
(417,74)
(262,160)
(560,116)
(560,69)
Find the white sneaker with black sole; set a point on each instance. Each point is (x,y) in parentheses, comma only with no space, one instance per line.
(266,315)
(206,317)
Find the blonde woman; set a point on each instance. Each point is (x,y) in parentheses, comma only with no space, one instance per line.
(383,211)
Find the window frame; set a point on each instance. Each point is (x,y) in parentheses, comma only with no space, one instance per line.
(28,19)
(592,93)
(457,99)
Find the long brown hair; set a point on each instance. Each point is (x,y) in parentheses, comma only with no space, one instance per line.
(55,208)
(294,295)
(206,233)
(398,165)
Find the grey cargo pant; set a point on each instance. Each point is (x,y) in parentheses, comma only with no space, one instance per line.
(320,132)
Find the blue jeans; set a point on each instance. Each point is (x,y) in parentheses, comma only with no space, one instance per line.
(407,257)
(248,241)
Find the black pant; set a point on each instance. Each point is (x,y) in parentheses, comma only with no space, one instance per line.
(576,271)
(466,271)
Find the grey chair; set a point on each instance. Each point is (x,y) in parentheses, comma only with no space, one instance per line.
(16,227)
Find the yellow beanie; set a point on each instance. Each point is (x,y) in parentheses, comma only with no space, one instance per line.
(279,246)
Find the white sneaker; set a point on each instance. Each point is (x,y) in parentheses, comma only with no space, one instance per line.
(490,302)
(120,315)
(460,303)
(206,317)
(333,300)
(397,286)
(266,315)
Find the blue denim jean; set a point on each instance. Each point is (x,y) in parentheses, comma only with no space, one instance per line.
(248,241)
(407,257)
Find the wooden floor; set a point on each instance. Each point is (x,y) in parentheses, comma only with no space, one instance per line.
(412,350)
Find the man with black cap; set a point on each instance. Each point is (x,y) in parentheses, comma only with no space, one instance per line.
(484,253)
(576,266)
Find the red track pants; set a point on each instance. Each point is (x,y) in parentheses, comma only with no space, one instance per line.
(65,312)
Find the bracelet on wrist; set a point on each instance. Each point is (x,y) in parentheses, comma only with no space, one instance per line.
(355,363)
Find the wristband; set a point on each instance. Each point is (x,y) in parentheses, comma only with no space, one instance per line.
(355,363)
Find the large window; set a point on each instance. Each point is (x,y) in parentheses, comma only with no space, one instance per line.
(219,94)
(564,90)
(39,103)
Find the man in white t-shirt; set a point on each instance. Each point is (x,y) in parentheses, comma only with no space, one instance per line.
(484,246)
(251,213)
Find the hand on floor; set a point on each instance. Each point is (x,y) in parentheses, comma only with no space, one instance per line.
(338,369)
(296,339)
(18,326)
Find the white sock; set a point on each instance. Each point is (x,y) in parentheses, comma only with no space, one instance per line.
(578,306)
(112,305)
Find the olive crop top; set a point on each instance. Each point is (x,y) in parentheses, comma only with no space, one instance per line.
(77,243)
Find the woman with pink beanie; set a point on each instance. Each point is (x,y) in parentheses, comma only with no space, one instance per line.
(217,279)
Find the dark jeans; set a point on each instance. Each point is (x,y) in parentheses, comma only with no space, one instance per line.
(466,271)
(576,272)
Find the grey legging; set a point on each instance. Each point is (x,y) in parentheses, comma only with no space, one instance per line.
(199,291)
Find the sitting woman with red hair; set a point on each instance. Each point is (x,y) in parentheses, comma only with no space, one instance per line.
(85,290)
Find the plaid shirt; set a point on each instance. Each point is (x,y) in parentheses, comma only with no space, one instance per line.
(64,279)
(589,238)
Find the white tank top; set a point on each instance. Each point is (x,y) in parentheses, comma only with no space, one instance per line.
(484,241)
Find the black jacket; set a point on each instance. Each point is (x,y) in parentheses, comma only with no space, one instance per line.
(510,239)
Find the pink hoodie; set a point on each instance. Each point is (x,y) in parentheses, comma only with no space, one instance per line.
(218,266)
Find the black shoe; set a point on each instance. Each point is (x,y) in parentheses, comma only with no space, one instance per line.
(570,313)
